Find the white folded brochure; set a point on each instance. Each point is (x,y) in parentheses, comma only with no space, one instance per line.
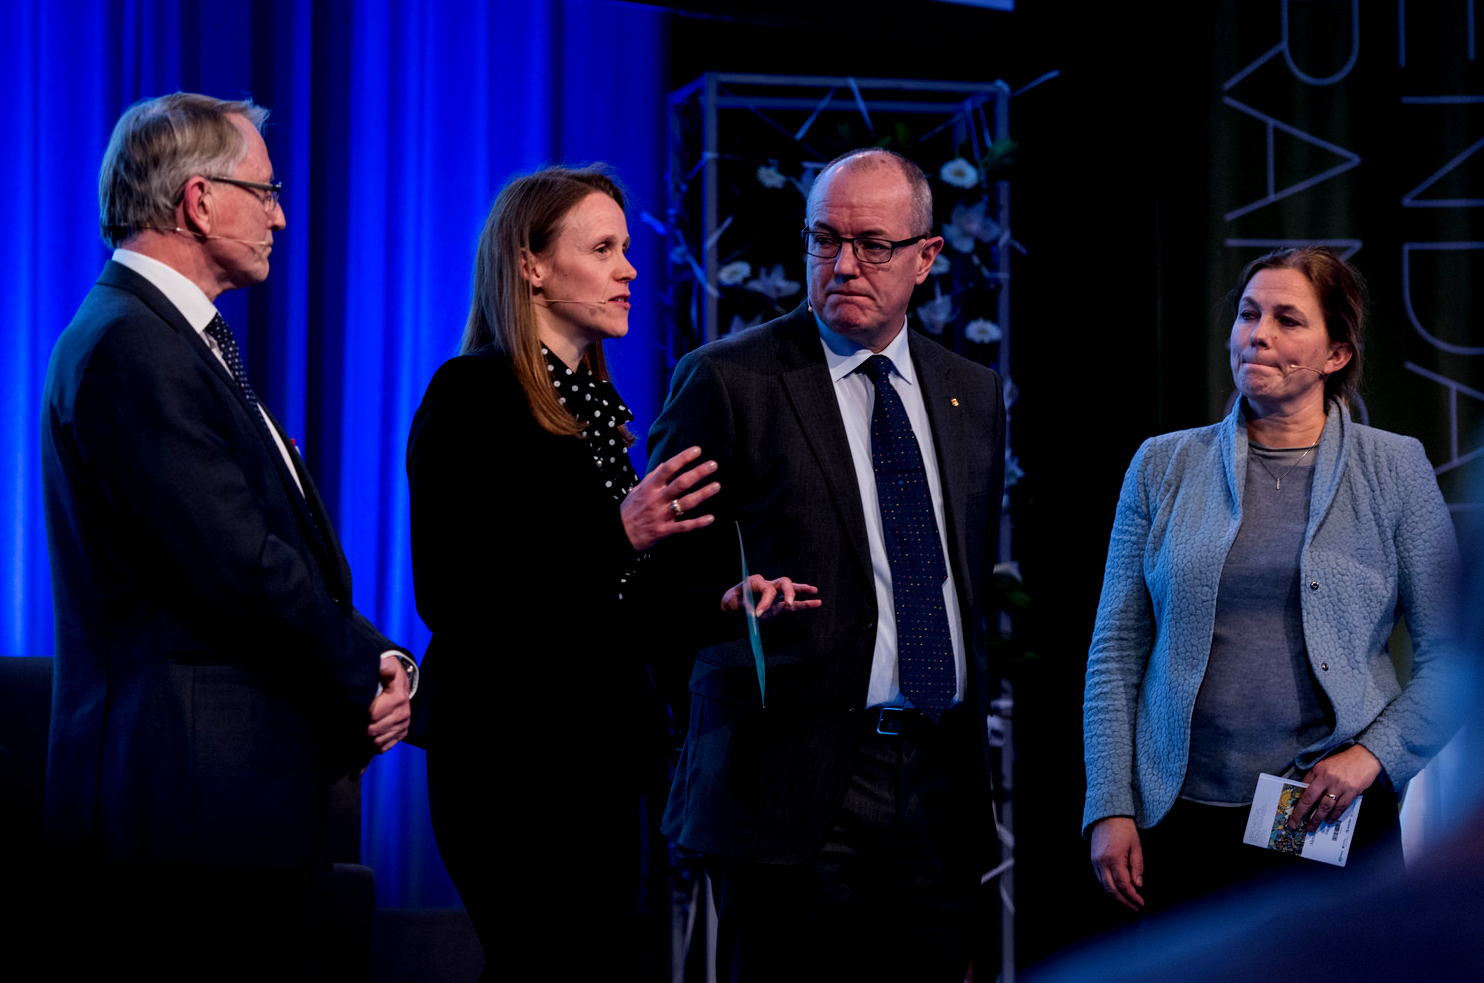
(1267,824)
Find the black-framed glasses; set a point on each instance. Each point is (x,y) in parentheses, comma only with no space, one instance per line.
(272,191)
(826,245)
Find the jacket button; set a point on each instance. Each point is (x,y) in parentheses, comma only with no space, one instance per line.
(1313,585)
(1324,666)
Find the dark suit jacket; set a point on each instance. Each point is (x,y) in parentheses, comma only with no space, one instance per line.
(764,784)
(212,677)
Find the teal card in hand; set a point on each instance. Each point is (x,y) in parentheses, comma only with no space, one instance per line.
(749,605)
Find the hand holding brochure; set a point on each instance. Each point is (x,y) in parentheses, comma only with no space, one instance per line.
(1267,824)
(749,606)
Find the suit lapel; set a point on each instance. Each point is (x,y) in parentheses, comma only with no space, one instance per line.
(807,381)
(935,376)
(312,517)
(120,276)
(313,511)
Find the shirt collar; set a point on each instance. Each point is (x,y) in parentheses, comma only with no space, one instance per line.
(557,366)
(188,298)
(843,356)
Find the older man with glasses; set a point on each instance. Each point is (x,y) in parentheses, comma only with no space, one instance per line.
(842,815)
(212,677)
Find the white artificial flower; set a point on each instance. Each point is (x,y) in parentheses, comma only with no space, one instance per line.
(772,284)
(770,177)
(734,273)
(970,223)
(960,173)
(936,314)
(982,330)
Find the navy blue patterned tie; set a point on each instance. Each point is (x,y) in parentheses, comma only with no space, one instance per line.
(225,340)
(913,548)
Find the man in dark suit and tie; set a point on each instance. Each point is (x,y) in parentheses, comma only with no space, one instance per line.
(844,818)
(212,678)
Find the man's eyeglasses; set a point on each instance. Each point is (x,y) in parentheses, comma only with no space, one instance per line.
(270,191)
(825,245)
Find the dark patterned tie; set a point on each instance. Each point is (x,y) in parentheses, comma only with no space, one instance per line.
(219,330)
(225,340)
(924,647)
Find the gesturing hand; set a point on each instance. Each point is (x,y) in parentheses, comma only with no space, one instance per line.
(656,507)
(771,596)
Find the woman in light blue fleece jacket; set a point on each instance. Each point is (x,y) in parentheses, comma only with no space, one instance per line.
(1255,572)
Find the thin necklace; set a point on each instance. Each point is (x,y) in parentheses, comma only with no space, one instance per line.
(1278,478)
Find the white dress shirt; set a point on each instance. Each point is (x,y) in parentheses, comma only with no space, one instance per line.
(856,394)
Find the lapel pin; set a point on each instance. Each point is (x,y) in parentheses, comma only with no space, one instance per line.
(954,400)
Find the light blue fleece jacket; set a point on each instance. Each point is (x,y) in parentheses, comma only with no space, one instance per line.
(1379,545)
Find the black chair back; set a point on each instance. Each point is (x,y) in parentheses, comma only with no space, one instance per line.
(25,723)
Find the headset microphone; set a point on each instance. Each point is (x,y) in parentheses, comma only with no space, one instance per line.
(548,301)
(204,235)
(245,242)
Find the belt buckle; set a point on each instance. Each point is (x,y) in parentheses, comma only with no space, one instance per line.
(889,720)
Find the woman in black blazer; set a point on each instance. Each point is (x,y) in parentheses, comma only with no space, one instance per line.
(528,521)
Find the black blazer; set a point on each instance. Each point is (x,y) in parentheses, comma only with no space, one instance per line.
(764,784)
(517,554)
(212,677)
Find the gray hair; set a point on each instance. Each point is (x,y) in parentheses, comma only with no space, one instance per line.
(917,183)
(159,144)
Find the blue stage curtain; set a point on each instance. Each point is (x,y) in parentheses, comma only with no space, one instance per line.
(395,122)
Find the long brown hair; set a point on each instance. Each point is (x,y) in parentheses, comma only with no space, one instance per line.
(527,216)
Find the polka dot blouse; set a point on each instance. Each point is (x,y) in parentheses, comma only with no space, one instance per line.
(595,401)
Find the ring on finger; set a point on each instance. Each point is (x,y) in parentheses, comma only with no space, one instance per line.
(1332,796)
(675,507)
